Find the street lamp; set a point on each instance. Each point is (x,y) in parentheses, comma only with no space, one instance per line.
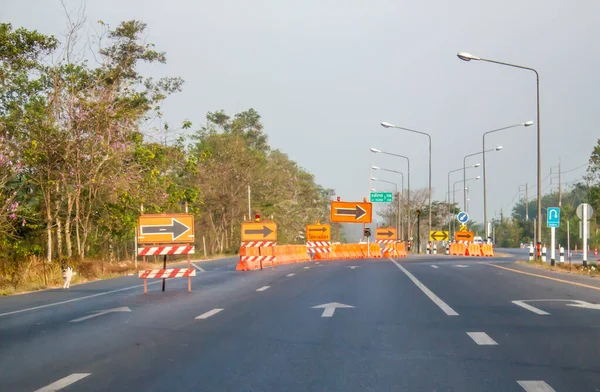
(458,182)
(468,57)
(402,191)
(524,124)
(378,151)
(388,125)
(450,172)
(465,174)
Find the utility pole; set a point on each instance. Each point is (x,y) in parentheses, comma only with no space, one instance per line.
(559,186)
(526,202)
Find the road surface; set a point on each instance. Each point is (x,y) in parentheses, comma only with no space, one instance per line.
(425,323)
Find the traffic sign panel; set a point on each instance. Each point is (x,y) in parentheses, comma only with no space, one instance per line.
(351,212)
(381,197)
(438,235)
(318,233)
(385,233)
(462,217)
(463,228)
(464,236)
(553,217)
(259,231)
(165,228)
(579,210)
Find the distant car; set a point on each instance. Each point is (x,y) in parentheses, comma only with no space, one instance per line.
(478,240)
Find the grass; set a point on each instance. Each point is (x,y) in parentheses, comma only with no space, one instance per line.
(590,270)
(39,275)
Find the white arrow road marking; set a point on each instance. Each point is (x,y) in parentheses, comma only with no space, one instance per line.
(585,305)
(290,275)
(100,313)
(198,267)
(208,314)
(535,386)
(460,266)
(482,339)
(531,308)
(63,382)
(436,300)
(434,266)
(329,309)
(353,266)
(263,288)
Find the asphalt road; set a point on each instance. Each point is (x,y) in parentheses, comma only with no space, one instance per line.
(426,323)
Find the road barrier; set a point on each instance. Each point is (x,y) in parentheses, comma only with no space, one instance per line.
(166,250)
(401,249)
(167,274)
(256,255)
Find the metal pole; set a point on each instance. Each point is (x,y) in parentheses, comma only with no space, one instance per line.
(584,223)
(419,233)
(398,228)
(164,267)
(552,245)
(429,182)
(539,160)
(485,195)
(135,251)
(465,181)
(569,240)
(249,207)
(526,202)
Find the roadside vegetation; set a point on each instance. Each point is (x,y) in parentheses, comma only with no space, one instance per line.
(84,144)
(590,270)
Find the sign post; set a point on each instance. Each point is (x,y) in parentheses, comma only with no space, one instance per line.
(584,212)
(553,222)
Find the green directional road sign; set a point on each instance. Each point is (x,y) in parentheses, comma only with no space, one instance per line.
(381,197)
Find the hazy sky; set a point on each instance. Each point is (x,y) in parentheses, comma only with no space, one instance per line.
(323,74)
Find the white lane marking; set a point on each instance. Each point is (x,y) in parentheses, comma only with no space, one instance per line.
(434,266)
(353,266)
(63,382)
(536,386)
(436,300)
(208,314)
(263,288)
(76,299)
(290,275)
(329,309)
(306,267)
(482,339)
(460,266)
(198,268)
(100,313)
(531,308)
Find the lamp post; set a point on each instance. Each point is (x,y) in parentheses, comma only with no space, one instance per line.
(398,226)
(524,124)
(378,151)
(464,179)
(465,170)
(388,125)
(458,182)
(468,57)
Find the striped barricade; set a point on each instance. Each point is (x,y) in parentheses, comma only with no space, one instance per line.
(255,255)
(167,250)
(167,274)
(321,250)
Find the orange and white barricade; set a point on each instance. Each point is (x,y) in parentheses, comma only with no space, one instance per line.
(256,254)
(167,274)
(321,250)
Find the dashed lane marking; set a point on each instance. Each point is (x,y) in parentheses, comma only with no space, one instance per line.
(263,288)
(535,386)
(63,382)
(199,268)
(482,339)
(208,314)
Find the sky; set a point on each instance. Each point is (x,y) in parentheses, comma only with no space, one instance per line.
(324,74)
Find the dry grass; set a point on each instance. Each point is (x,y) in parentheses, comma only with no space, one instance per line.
(38,275)
(590,270)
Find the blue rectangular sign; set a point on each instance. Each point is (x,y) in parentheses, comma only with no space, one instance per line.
(553,216)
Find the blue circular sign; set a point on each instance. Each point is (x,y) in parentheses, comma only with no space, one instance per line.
(462,217)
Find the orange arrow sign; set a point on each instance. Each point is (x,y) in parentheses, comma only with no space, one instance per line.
(464,236)
(165,228)
(351,212)
(318,233)
(385,234)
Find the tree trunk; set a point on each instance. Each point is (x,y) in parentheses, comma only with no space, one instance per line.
(59,247)
(49,234)
(68,226)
